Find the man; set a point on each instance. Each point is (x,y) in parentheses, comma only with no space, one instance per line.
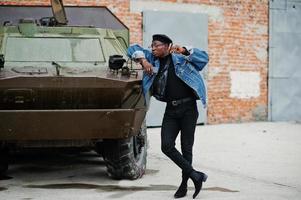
(171,74)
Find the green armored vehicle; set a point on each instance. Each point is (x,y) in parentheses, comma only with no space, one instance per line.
(70,86)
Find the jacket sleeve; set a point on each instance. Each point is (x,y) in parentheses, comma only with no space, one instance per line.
(198,58)
(136,51)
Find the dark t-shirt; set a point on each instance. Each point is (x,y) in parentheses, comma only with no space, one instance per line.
(175,87)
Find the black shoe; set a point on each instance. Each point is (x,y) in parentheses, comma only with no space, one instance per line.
(181,192)
(198,178)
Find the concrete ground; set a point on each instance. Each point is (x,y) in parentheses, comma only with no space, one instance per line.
(244,161)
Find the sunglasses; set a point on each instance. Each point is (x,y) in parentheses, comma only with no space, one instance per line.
(156,45)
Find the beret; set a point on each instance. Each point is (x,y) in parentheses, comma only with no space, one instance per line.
(162,38)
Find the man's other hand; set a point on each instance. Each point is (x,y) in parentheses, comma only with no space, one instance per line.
(147,67)
(177,49)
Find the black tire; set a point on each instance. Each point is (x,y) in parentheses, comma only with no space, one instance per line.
(3,160)
(126,158)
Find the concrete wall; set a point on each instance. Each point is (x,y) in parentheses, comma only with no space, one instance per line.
(238,49)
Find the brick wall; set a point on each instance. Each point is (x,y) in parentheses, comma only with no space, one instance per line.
(238,42)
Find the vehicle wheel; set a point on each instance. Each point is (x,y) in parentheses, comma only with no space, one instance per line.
(126,158)
(3,160)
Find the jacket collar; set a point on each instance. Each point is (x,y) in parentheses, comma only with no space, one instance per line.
(175,59)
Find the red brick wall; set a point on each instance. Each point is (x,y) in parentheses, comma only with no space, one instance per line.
(242,43)
(238,43)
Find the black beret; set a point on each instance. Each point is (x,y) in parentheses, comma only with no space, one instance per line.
(162,38)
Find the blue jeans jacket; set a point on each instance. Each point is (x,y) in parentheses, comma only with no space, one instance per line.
(186,67)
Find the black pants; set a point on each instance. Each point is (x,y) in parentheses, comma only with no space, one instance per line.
(179,118)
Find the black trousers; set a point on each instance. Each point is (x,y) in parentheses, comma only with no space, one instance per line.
(181,118)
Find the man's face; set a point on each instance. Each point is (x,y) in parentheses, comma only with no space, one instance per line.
(159,49)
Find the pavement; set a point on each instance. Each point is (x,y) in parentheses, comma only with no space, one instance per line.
(251,161)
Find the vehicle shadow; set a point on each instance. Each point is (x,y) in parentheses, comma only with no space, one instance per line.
(54,164)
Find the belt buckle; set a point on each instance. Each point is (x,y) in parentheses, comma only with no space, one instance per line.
(174,103)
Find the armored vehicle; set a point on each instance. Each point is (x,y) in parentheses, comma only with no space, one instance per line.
(70,86)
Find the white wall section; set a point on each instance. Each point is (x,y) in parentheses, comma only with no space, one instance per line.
(245,85)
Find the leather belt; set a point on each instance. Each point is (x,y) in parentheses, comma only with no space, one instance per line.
(180,101)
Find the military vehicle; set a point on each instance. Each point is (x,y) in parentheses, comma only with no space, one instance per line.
(70,86)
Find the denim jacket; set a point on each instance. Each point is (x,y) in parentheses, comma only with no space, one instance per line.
(186,67)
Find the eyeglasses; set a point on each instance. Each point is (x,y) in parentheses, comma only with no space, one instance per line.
(155,46)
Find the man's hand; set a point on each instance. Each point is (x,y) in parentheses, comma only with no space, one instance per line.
(177,49)
(148,67)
